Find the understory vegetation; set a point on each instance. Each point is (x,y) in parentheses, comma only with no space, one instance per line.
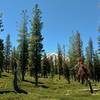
(48,89)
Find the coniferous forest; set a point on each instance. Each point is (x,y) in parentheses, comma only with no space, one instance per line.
(28,72)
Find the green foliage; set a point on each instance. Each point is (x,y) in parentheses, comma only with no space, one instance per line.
(56,64)
(60,61)
(1,56)
(45,66)
(89,56)
(36,46)
(7,53)
(75,49)
(13,53)
(1,23)
(52,69)
(23,45)
(96,64)
(98,44)
(48,90)
(66,71)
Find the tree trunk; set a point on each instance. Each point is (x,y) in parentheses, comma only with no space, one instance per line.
(90,86)
(16,88)
(36,76)
(23,75)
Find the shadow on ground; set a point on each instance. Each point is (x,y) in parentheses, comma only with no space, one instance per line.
(40,84)
(3,92)
(5,76)
(32,82)
(43,86)
(19,91)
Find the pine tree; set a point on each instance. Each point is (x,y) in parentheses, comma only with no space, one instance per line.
(1,46)
(89,57)
(98,41)
(52,69)
(66,71)
(1,55)
(1,23)
(12,59)
(56,64)
(45,66)
(99,44)
(7,53)
(78,44)
(36,46)
(71,51)
(15,67)
(75,51)
(60,61)
(96,64)
(15,70)
(23,45)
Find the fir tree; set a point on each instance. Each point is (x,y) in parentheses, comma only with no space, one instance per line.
(75,51)
(99,44)
(23,45)
(1,55)
(36,46)
(12,59)
(1,46)
(56,64)
(52,69)
(98,41)
(66,71)
(96,64)
(89,57)
(45,66)
(60,61)
(1,24)
(7,53)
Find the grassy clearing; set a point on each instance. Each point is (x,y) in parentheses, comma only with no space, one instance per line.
(48,90)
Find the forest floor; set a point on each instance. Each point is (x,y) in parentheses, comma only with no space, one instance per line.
(48,89)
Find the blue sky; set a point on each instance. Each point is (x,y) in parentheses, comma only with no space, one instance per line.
(60,18)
